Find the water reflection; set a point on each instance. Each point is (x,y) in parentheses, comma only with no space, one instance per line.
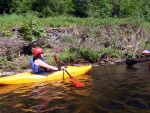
(108,89)
(44,97)
(124,88)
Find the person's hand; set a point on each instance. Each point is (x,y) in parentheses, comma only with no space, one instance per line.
(63,68)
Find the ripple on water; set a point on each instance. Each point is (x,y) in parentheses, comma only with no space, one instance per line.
(108,89)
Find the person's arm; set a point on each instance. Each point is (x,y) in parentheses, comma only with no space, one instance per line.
(43,64)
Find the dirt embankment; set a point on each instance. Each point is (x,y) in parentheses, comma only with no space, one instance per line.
(126,38)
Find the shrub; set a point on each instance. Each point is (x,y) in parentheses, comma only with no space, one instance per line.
(7,33)
(66,57)
(89,55)
(32,31)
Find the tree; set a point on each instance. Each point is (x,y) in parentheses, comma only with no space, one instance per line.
(80,8)
(52,7)
(4,6)
(20,6)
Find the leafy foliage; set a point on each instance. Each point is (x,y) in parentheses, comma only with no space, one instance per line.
(67,56)
(52,7)
(7,33)
(78,8)
(21,7)
(148,44)
(89,55)
(32,31)
(3,59)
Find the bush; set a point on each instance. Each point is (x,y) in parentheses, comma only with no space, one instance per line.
(32,31)
(66,57)
(89,55)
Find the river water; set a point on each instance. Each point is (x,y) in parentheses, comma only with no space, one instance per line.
(108,89)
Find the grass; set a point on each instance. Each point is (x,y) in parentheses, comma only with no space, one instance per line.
(93,29)
(13,20)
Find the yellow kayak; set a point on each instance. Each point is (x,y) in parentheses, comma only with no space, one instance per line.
(28,77)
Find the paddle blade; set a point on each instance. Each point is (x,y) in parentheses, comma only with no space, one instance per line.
(55,58)
(76,83)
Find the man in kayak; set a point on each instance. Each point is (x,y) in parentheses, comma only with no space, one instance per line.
(147,52)
(39,65)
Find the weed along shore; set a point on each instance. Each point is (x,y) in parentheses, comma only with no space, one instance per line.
(76,44)
(73,45)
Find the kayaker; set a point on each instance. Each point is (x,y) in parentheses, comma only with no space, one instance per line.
(147,52)
(39,65)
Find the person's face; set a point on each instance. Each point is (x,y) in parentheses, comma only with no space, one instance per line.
(42,55)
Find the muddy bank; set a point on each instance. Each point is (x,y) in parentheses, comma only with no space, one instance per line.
(126,38)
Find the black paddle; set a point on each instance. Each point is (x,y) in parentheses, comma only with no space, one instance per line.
(134,61)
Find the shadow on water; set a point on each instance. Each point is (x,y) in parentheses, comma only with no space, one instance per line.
(108,89)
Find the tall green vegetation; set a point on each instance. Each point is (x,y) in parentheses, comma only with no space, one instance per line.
(32,31)
(21,6)
(46,8)
(79,8)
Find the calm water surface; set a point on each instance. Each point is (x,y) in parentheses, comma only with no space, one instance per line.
(108,89)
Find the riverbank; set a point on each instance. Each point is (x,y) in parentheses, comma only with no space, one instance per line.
(73,45)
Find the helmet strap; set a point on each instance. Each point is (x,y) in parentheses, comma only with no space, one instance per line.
(38,56)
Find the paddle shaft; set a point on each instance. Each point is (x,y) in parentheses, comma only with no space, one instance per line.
(68,73)
(77,84)
(57,61)
(55,58)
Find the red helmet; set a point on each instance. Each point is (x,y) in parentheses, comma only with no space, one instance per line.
(37,51)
